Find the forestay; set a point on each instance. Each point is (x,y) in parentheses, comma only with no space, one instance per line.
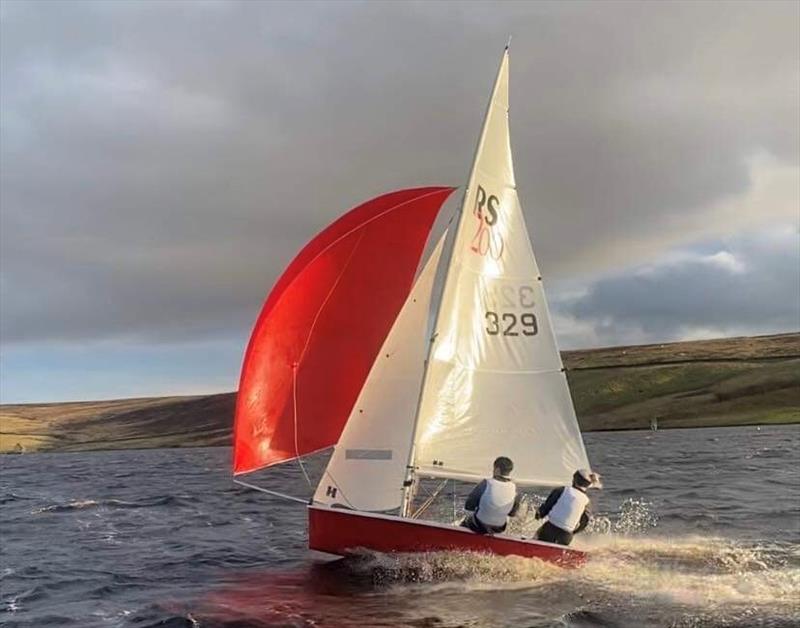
(495,383)
(368,465)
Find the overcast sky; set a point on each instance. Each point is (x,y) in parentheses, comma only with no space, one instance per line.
(162,162)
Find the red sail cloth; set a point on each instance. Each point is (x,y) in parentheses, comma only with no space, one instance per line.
(323,324)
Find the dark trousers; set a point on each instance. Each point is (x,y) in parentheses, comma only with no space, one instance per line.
(472,522)
(553,534)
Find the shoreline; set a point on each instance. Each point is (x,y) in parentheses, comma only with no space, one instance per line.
(645,430)
(686,385)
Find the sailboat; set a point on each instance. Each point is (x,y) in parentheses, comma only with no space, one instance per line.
(343,356)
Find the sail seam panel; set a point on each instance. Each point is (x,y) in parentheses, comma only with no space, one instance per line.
(507,371)
(461,265)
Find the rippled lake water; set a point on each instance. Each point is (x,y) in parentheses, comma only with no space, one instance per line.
(694,528)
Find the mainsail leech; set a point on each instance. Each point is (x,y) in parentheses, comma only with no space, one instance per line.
(494,384)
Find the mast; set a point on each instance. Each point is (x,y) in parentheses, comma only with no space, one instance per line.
(368,465)
(408,484)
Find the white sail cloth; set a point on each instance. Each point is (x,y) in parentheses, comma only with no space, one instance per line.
(495,384)
(368,465)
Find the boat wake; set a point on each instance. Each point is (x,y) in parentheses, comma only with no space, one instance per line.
(629,581)
(694,580)
(716,581)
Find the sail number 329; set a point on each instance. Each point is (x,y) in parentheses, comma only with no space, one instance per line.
(511,324)
(507,323)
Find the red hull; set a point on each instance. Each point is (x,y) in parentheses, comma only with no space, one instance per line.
(343,531)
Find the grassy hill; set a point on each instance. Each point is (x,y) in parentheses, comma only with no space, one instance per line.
(735,381)
(732,381)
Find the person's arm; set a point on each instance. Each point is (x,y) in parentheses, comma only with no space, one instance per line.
(515,508)
(551,500)
(474,497)
(585,519)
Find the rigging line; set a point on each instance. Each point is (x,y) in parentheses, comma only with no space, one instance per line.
(426,504)
(336,241)
(294,413)
(408,486)
(428,493)
(296,364)
(269,492)
(374,218)
(453,484)
(329,295)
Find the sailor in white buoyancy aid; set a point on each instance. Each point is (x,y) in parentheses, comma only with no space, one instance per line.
(567,509)
(494,500)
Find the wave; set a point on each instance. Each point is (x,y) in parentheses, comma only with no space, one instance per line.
(83,504)
(8,498)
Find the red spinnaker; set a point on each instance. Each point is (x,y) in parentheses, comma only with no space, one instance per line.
(323,324)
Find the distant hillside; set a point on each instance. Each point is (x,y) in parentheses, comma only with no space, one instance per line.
(733,381)
(119,424)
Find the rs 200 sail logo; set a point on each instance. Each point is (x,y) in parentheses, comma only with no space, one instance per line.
(486,240)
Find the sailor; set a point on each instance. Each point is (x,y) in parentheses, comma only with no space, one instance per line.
(566,509)
(494,500)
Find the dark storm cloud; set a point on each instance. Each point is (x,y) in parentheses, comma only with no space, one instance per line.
(161,162)
(749,285)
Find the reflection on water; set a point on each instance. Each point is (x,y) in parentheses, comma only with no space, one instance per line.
(698,581)
(695,528)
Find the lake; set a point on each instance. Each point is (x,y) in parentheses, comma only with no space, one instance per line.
(694,528)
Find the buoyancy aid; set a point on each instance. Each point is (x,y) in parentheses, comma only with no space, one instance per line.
(496,502)
(567,511)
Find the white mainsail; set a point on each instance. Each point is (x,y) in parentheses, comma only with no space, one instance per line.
(368,465)
(494,384)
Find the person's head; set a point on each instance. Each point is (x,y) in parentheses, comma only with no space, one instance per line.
(503,467)
(583,479)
